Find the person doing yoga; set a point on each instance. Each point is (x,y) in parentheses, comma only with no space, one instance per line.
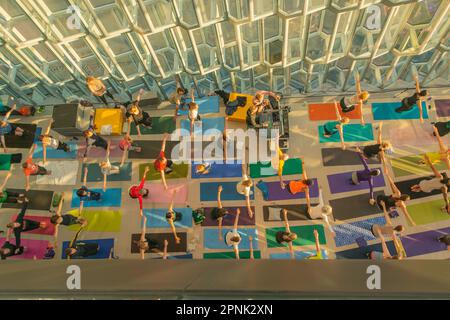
(135,113)
(7,128)
(172,216)
(286,237)
(365,175)
(320,211)
(86,194)
(349,104)
(107,168)
(296,186)
(318,255)
(7,196)
(9,249)
(32,169)
(332,127)
(49,141)
(250,241)
(233,238)
(244,187)
(279,160)
(373,151)
(444,152)
(93,139)
(443,128)
(193,112)
(416,99)
(139,192)
(178,97)
(162,164)
(80,250)
(218,213)
(126,145)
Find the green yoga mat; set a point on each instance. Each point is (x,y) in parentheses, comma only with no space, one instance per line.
(291,166)
(305,236)
(99,220)
(179,171)
(411,165)
(231,255)
(5,162)
(160,125)
(428,212)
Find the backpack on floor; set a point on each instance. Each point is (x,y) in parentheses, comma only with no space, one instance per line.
(198,216)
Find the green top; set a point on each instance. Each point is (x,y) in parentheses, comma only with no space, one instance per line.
(3,196)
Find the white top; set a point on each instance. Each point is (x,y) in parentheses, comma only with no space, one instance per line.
(109,168)
(193,114)
(246,191)
(51,142)
(231,234)
(430,185)
(316,211)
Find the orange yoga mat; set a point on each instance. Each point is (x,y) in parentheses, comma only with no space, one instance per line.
(325,111)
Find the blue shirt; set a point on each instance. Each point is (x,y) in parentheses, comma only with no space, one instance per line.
(6,129)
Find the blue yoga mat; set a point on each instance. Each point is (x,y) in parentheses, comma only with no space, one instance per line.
(208,126)
(156,218)
(105,248)
(347,233)
(386,111)
(56,154)
(205,104)
(208,191)
(178,257)
(299,255)
(219,170)
(352,133)
(361,252)
(111,198)
(211,238)
(37,134)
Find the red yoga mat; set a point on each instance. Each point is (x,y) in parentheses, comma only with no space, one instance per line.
(49,230)
(326,111)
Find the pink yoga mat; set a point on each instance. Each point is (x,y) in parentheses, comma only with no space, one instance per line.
(413,135)
(33,248)
(96,152)
(157,193)
(49,229)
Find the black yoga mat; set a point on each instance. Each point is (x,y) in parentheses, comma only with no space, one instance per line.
(362,252)
(405,188)
(151,149)
(159,238)
(354,206)
(22,142)
(338,157)
(39,199)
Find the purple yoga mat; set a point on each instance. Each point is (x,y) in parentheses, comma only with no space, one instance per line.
(341,182)
(424,242)
(276,193)
(228,220)
(442,107)
(96,152)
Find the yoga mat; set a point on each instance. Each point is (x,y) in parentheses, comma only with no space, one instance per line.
(95,174)
(326,111)
(295,212)
(64,173)
(362,252)
(354,206)
(442,107)
(99,220)
(49,230)
(208,191)
(159,238)
(26,141)
(157,193)
(180,170)
(228,220)
(424,242)
(338,157)
(291,166)
(39,199)
(347,233)
(151,149)
(156,218)
(299,255)
(305,235)
(104,251)
(231,255)
(56,154)
(111,198)
(205,105)
(211,238)
(160,125)
(5,162)
(218,170)
(181,256)
(96,152)
(405,134)
(428,212)
(341,182)
(207,126)
(352,133)
(276,193)
(386,111)
(33,248)
(405,188)
(411,165)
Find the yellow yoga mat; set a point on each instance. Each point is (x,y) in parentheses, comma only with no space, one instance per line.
(241,113)
(99,220)
(414,165)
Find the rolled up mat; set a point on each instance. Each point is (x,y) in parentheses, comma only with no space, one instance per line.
(211,238)
(56,154)
(326,111)
(49,229)
(104,252)
(231,255)
(442,107)
(208,191)
(99,220)
(352,133)
(5,162)
(160,125)
(341,182)
(206,105)
(405,188)
(299,255)
(291,166)
(305,235)
(33,248)
(25,141)
(228,220)
(218,170)
(156,242)
(180,170)
(295,212)
(276,193)
(424,242)
(64,173)
(207,126)
(362,252)
(386,111)
(96,152)
(151,149)
(413,165)
(337,157)
(38,199)
(428,212)
(348,233)
(157,193)
(110,198)
(95,173)
(156,218)
(354,206)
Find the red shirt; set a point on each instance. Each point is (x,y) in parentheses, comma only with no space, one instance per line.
(159,163)
(32,169)
(124,143)
(134,192)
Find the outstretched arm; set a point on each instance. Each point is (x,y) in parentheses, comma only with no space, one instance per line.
(8,114)
(174,230)
(5,181)
(316,237)
(124,153)
(144,228)
(386,253)
(336,109)
(166,243)
(219,202)
(432,167)
(250,240)
(286,222)
(386,215)
(172,201)
(224,139)
(380,137)
(192,95)
(236,219)
(358,92)
(416,79)
(442,147)
(406,213)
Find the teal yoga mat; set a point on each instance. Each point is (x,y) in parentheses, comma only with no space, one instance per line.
(352,133)
(386,111)
(156,218)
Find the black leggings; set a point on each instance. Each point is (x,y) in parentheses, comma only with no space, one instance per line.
(107,93)
(13,197)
